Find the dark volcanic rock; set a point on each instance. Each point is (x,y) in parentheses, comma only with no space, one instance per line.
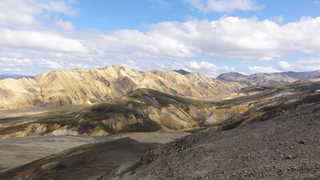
(284,147)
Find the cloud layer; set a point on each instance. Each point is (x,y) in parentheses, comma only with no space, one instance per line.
(229,37)
(32,37)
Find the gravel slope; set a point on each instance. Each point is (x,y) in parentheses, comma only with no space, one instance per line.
(285,147)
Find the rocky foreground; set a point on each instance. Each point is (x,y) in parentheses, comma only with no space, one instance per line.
(276,138)
(283,147)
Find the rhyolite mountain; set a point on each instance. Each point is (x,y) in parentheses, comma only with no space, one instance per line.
(268,78)
(91,86)
(143,110)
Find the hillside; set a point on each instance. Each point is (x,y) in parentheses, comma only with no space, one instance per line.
(268,78)
(143,110)
(91,86)
(281,144)
(147,110)
(277,137)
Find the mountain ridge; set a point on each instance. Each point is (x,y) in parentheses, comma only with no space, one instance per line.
(90,86)
(268,78)
(15,76)
(142,110)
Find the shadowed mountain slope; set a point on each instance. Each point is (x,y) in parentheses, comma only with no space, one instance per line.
(84,162)
(142,110)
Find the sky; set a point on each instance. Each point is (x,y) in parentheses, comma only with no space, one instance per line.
(207,36)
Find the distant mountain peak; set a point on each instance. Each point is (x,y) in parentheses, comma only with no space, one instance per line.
(15,76)
(233,74)
(182,71)
(268,78)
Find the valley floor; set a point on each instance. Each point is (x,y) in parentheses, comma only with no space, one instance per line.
(19,151)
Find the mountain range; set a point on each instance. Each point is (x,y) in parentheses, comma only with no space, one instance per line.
(268,78)
(262,126)
(5,76)
(272,134)
(91,86)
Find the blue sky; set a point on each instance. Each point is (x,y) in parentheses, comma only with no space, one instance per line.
(128,14)
(208,36)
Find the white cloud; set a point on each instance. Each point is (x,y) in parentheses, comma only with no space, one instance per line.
(65,25)
(41,41)
(231,37)
(203,67)
(309,61)
(138,44)
(262,69)
(17,13)
(284,66)
(200,65)
(278,19)
(228,37)
(224,5)
(206,68)
(54,65)
(29,43)
(308,64)
(59,6)
(310,68)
